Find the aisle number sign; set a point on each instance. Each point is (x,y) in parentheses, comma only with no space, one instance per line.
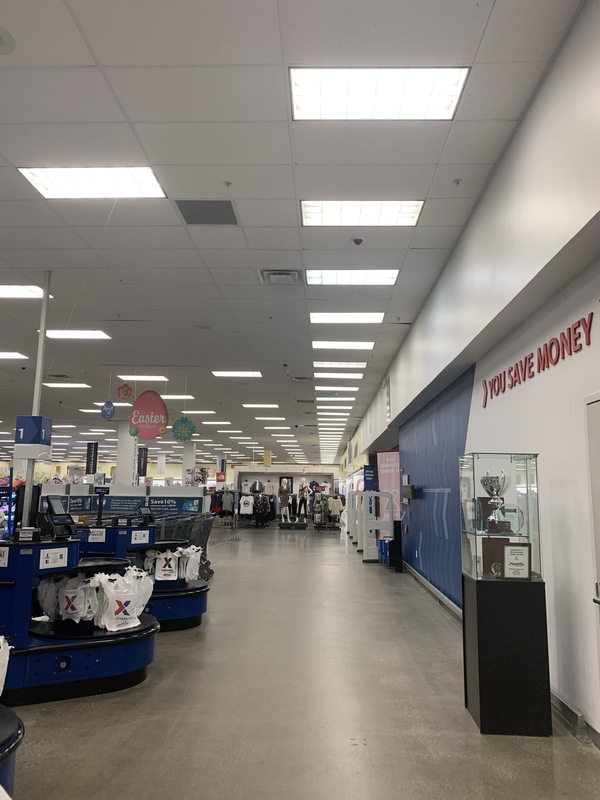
(33,436)
(267,456)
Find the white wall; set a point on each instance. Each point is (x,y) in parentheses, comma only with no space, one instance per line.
(546,415)
(545,190)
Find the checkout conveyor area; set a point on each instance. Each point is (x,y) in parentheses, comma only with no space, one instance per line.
(58,658)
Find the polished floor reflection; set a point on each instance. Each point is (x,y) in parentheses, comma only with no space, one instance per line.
(313,677)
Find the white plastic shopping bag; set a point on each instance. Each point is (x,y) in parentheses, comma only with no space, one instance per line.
(4,649)
(48,590)
(117,603)
(189,562)
(143,586)
(166,566)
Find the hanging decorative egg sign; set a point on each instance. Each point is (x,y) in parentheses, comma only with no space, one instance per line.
(108,410)
(149,416)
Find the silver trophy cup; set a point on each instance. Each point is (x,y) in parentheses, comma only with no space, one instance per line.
(494,485)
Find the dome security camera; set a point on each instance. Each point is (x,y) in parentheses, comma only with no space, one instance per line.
(357,240)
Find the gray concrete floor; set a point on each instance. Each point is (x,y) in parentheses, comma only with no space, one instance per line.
(313,677)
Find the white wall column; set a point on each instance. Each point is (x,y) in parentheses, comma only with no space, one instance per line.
(127,447)
(189,459)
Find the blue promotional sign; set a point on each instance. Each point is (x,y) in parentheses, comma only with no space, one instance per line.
(33,430)
(369,478)
(127,505)
(108,410)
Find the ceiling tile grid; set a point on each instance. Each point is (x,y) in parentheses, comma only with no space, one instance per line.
(201,93)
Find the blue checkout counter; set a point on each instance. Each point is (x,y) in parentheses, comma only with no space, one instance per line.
(177,604)
(56,660)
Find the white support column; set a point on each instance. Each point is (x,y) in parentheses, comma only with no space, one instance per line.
(127,445)
(189,459)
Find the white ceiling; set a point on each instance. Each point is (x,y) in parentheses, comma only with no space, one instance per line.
(200,92)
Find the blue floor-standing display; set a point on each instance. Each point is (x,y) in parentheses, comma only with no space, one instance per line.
(54,660)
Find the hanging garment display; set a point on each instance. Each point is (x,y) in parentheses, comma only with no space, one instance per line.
(247,504)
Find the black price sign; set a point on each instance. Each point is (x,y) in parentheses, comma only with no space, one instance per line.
(91,459)
(142,459)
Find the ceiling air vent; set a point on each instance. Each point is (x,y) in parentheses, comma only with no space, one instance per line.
(63,378)
(305,401)
(281,277)
(308,413)
(300,380)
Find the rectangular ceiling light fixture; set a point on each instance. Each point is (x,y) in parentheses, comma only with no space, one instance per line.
(352,277)
(91,410)
(14,292)
(376,93)
(349,376)
(72,334)
(143,378)
(329,408)
(56,427)
(237,374)
(329,345)
(360,213)
(93,182)
(260,405)
(272,419)
(68,386)
(12,356)
(278,428)
(200,412)
(334,399)
(178,397)
(215,423)
(116,405)
(343,318)
(339,364)
(336,388)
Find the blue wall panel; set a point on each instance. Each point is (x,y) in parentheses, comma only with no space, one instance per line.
(430,446)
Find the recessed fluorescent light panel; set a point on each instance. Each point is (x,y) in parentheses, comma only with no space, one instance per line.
(349,376)
(68,386)
(272,419)
(200,412)
(216,423)
(339,364)
(336,388)
(142,378)
(12,356)
(93,182)
(77,335)
(351,277)
(14,292)
(234,374)
(391,93)
(260,405)
(360,213)
(116,405)
(329,408)
(327,345)
(342,318)
(333,399)
(178,397)
(91,410)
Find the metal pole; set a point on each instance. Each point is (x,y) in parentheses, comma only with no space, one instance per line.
(37,395)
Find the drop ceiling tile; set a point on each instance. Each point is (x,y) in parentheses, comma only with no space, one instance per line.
(265,304)
(210,182)
(21,213)
(419,258)
(123,211)
(215,143)
(177,290)
(477,141)
(274,316)
(327,238)
(135,236)
(356,258)
(349,142)
(267,213)
(74,145)
(251,259)
(358,182)
(45,35)
(57,95)
(66,282)
(531,31)
(499,91)
(262,292)
(222,33)
(273,238)
(38,238)
(152,276)
(383,32)
(50,259)
(344,296)
(471,180)
(235,277)
(436,237)
(447,212)
(226,237)
(200,94)
(157,258)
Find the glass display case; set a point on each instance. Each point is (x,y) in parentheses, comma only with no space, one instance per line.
(500,517)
